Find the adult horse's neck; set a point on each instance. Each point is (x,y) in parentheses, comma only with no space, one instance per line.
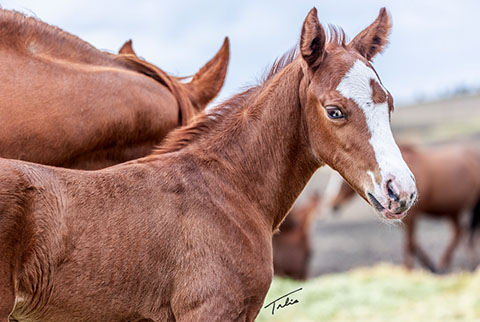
(262,147)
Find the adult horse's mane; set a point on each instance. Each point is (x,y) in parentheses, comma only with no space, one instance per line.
(205,122)
(31,36)
(186,109)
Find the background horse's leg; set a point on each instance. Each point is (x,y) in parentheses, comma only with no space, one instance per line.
(457,232)
(424,259)
(408,246)
(473,226)
(411,246)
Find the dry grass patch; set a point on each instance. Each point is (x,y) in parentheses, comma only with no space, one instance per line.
(380,293)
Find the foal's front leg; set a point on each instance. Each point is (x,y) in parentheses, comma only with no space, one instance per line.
(7,296)
(7,289)
(10,259)
(216,309)
(214,300)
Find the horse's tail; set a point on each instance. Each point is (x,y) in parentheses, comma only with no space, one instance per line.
(474,222)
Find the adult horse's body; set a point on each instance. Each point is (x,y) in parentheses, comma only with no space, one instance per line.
(186,233)
(448,181)
(291,246)
(65,103)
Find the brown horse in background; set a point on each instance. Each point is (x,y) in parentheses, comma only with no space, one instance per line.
(448,181)
(291,245)
(185,234)
(65,103)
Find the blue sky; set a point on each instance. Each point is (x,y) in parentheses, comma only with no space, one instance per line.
(434,45)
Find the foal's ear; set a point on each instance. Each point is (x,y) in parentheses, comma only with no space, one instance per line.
(373,39)
(312,40)
(127,48)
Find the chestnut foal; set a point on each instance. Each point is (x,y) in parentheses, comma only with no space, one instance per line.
(448,179)
(65,103)
(185,234)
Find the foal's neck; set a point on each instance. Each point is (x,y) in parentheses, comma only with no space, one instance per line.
(266,154)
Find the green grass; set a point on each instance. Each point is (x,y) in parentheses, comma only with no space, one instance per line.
(381,293)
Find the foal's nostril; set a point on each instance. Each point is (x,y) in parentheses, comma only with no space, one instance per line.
(391,193)
(413,196)
(402,208)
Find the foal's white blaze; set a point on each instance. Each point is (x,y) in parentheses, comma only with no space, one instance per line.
(355,85)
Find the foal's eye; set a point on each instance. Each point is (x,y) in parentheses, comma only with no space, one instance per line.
(334,112)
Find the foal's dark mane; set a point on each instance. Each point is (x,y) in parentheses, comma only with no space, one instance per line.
(205,122)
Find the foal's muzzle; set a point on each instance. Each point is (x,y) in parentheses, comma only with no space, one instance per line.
(393,199)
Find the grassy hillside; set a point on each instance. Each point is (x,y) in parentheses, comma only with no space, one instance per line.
(381,293)
(455,119)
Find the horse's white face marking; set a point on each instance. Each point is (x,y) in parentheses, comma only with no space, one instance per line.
(356,86)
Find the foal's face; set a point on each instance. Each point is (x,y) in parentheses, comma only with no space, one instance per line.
(348,116)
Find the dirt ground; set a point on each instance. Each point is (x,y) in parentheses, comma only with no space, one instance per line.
(356,237)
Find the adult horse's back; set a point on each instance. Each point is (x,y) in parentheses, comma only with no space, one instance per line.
(65,103)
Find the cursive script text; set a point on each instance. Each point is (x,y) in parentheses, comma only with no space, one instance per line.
(286,302)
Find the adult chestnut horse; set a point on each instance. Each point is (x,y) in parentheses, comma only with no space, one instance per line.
(448,181)
(185,234)
(65,103)
(291,246)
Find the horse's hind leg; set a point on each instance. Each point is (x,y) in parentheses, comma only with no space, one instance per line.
(473,226)
(457,232)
